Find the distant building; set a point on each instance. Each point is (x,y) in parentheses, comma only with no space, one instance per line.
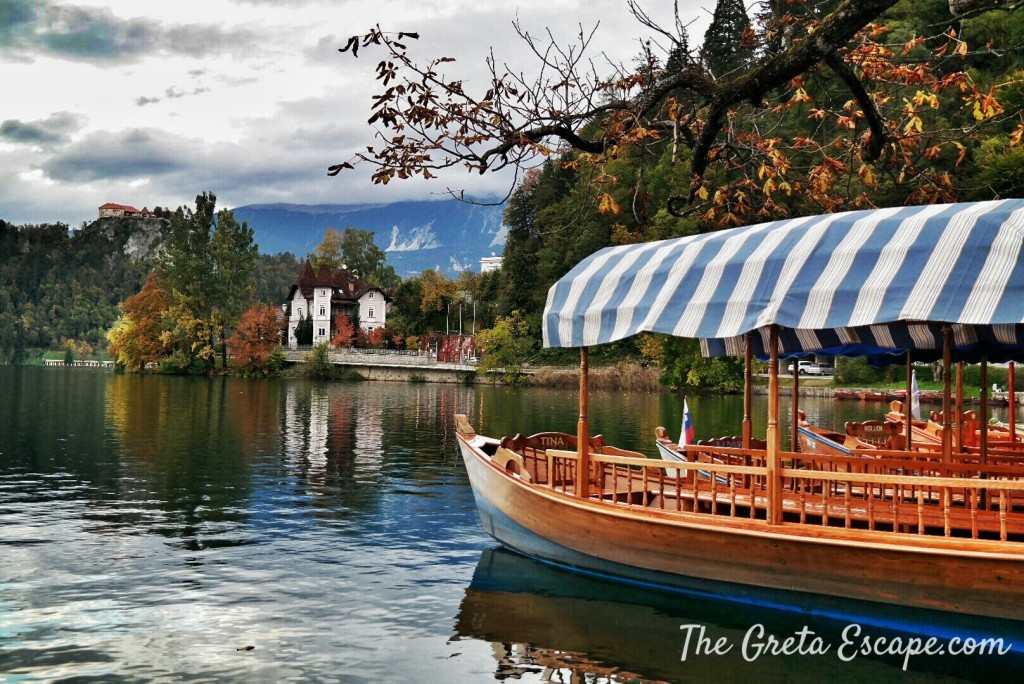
(491,263)
(325,294)
(111,209)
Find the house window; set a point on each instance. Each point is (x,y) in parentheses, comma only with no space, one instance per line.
(370,314)
(321,311)
(321,332)
(371,295)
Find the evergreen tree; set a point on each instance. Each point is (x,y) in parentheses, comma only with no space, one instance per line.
(726,47)
(233,285)
(304,330)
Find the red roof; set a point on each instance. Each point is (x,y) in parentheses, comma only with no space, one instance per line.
(347,285)
(125,207)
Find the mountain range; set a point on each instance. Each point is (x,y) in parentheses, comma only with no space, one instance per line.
(445,235)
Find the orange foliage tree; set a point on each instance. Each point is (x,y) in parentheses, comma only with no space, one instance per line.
(375,338)
(137,337)
(346,331)
(254,340)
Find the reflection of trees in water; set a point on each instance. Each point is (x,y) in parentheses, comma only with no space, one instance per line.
(51,421)
(188,442)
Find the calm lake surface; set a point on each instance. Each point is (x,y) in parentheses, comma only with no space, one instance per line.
(151,527)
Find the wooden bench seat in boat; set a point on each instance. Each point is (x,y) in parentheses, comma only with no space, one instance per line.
(533,450)
(880,434)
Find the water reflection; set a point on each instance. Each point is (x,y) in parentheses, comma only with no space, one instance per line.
(151,525)
(561,627)
(184,447)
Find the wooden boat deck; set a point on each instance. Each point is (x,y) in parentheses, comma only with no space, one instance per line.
(887,491)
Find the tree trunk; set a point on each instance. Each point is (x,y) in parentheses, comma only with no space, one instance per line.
(223,350)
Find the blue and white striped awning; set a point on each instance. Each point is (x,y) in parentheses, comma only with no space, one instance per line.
(864,282)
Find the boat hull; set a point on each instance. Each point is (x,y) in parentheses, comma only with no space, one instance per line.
(741,558)
(823,444)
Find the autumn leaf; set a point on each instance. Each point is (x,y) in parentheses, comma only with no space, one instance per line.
(608,205)
(1016,136)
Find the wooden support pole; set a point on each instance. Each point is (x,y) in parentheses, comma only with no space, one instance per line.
(748,390)
(984,412)
(959,411)
(947,427)
(907,413)
(774,464)
(796,405)
(583,433)
(1012,399)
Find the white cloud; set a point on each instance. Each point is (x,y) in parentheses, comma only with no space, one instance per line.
(153,103)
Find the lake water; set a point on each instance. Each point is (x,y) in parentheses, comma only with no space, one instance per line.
(151,527)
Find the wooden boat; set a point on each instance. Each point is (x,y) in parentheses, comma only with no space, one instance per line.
(858,437)
(903,527)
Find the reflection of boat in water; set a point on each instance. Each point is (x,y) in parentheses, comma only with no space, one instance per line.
(566,627)
(896,529)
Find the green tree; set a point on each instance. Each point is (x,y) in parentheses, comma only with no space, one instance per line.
(186,262)
(405,315)
(304,330)
(506,346)
(317,364)
(275,274)
(728,46)
(233,282)
(357,251)
(684,367)
(361,254)
(210,268)
(329,252)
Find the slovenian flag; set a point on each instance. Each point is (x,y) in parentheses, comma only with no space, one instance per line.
(686,433)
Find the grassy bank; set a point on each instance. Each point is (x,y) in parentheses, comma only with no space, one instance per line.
(625,376)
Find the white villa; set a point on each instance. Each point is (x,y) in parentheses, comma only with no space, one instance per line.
(324,295)
(491,263)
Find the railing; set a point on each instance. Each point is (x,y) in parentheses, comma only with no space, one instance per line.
(355,350)
(898,492)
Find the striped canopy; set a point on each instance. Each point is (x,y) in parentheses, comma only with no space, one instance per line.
(875,282)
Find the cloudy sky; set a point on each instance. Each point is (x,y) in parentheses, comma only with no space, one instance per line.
(151,103)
